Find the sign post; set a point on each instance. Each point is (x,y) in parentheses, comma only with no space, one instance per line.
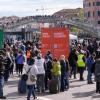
(1,39)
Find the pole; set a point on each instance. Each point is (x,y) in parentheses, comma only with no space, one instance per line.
(1,38)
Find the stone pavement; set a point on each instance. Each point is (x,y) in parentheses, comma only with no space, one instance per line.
(78,91)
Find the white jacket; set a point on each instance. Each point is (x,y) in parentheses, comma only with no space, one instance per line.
(33,71)
(40,65)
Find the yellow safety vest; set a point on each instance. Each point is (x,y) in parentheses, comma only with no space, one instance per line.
(80,61)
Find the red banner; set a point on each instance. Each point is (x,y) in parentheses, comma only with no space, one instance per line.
(55,40)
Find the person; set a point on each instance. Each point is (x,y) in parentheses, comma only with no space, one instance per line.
(2,68)
(73,62)
(28,54)
(12,64)
(90,62)
(64,73)
(7,67)
(48,71)
(81,64)
(90,48)
(39,61)
(97,72)
(56,71)
(20,62)
(22,47)
(32,70)
(49,55)
(15,52)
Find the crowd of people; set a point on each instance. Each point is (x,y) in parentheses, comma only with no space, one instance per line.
(42,73)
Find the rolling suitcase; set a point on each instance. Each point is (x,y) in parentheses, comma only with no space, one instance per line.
(52,85)
(22,87)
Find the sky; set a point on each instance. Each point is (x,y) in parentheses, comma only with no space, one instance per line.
(35,7)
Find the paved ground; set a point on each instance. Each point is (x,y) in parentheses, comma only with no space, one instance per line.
(78,91)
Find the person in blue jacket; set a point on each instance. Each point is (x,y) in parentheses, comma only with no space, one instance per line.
(90,62)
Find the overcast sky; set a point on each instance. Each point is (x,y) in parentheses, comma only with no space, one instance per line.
(35,7)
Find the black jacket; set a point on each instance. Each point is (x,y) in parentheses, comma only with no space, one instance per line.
(48,66)
(64,67)
(72,59)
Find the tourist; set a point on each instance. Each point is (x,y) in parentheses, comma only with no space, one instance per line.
(56,72)
(20,62)
(81,64)
(48,71)
(39,61)
(64,73)
(90,62)
(32,72)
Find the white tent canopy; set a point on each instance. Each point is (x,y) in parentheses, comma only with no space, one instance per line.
(73,37)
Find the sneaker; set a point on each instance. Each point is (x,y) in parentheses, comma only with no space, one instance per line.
(3,97)
(91,83)
(81,79)
(88,82)
(28,98)
(75,78)
(35,97)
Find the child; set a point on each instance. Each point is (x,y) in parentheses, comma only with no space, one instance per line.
(32,70)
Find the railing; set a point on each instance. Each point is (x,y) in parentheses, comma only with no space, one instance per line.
(85,26)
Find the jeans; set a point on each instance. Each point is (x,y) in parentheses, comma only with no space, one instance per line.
(20,69)
(11,69)
(97,87)
(40,82)
(1,86)
(89,76)
(81,72)
(64,81)
(58,78)
(48,76)
(31,91)
(6,75)
(73,71)
(67,81)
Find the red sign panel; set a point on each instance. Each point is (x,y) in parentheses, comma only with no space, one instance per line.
(56,40)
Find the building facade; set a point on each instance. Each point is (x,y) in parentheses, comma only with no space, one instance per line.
(92,11)
(69,13)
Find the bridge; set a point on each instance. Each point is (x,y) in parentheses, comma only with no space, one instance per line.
(15,27)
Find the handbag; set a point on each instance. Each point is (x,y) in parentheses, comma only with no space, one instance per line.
(33,78)
(25,76)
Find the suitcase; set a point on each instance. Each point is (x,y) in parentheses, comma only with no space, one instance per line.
(52,85)
(22,87)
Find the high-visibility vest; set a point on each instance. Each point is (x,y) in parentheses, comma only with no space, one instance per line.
(80,61)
